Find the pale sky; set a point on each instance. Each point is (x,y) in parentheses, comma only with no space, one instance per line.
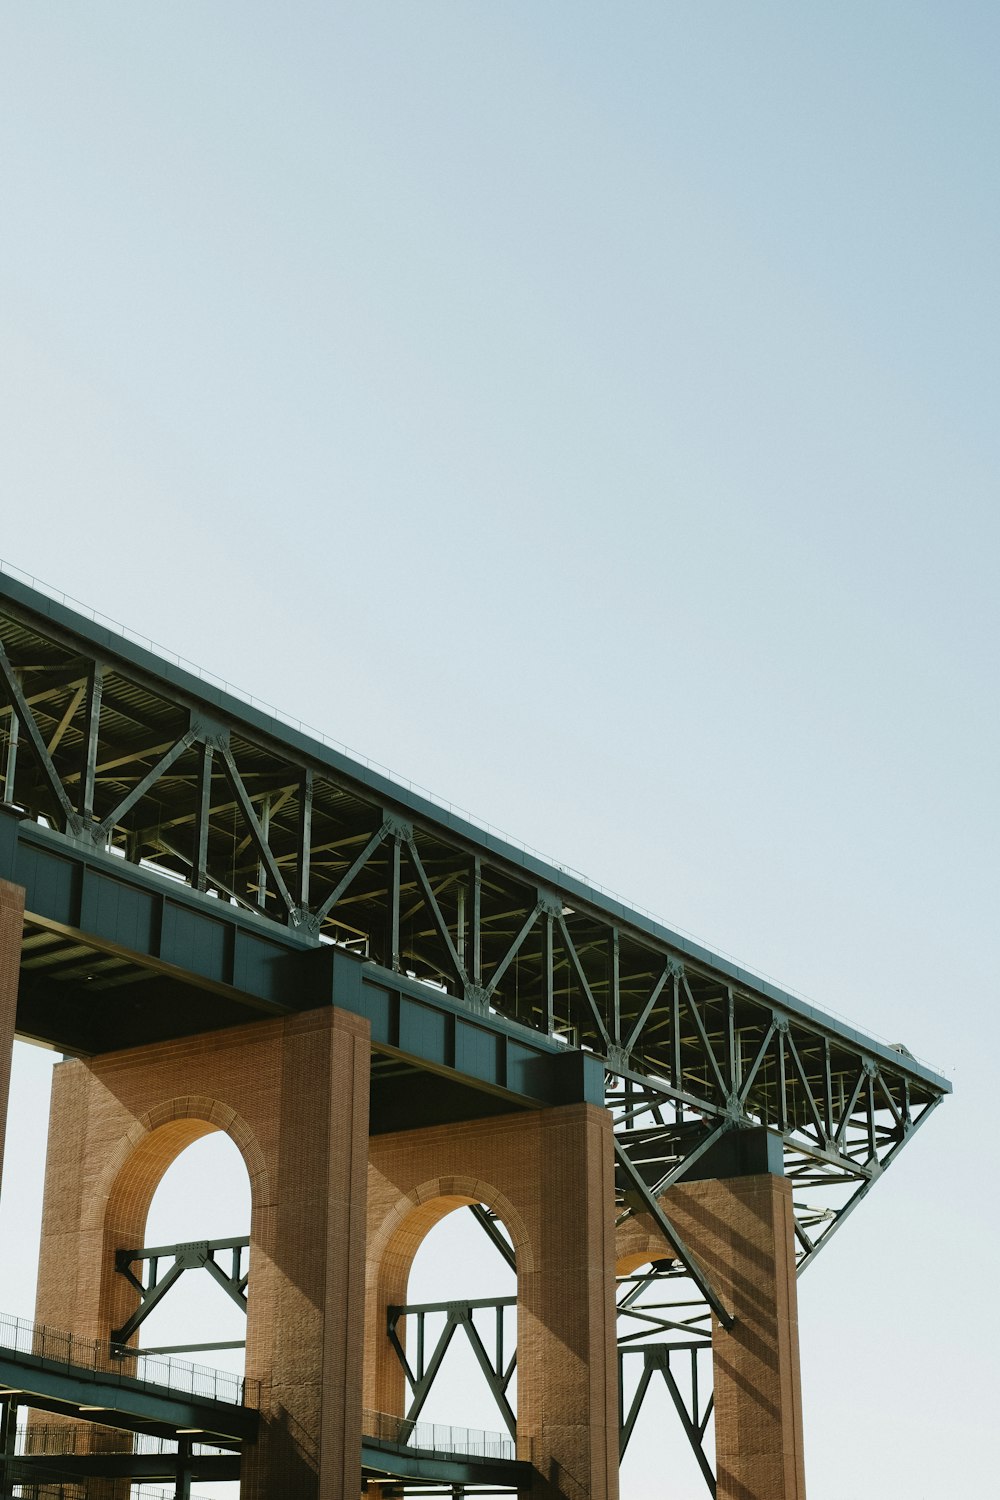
(589,411)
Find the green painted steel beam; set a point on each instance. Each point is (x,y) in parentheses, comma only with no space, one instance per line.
(39,1468)
(254,969)
(448,1468)
(212,714)
(118,1400)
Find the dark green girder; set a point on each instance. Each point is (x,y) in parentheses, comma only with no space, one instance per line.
(192,860)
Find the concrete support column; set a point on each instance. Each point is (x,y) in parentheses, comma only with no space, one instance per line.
(293,1095)
(741,1230)
(11,926)
(549,1176)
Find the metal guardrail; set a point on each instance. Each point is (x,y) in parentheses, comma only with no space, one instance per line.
(70,1352)
(27,1490)
(436,1437)
(35,1441)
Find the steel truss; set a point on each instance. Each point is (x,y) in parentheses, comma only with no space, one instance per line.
(117,754)
(694,1413)
(153,1286)
(670,1338)
(664,1328)
(123,753)
(493,1353)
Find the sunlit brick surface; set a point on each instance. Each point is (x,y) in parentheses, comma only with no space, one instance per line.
(549,1176)
(741,1231)
(293,1095)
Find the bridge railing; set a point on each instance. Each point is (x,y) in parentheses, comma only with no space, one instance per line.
(35,1440)
(71,1352)
(436,1437)
(26,1489)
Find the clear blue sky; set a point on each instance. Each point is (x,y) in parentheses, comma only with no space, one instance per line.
(591,412)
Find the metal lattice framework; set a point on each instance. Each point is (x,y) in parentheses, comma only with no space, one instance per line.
(663,1345)
(152,1284)
(121,753)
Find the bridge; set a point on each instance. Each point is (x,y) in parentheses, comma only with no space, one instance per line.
(230,923)
(142,1415)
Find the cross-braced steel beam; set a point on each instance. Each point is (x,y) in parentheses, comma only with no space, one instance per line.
(154,1284)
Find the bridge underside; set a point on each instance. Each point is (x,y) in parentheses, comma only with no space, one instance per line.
(202,881)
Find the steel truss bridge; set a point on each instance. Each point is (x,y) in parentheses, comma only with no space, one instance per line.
(191,860)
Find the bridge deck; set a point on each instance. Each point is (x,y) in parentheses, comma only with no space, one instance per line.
(428,1454)
(420,1466)
(192,860)
(49,1370)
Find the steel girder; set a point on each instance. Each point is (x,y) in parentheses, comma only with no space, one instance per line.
(152,1286)
(664,1345)
(119,750)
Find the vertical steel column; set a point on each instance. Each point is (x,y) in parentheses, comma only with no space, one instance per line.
(304,840)
(394,879)
(199,875)
(548,973)
(183,1489)
(265,829)
(92,722)
(476,934)
(675,1040)
(734,1069)
(10,769)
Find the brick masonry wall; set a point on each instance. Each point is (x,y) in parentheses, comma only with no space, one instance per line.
(293,1095)
(741,1230)
(549,1175)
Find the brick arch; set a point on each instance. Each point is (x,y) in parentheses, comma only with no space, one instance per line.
(292,1093)
(119,1208)
(549,1174)
(156,1139)
(392,1248)
(636,1244)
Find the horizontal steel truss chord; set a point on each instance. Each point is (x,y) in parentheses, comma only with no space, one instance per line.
(131,760)
(193,1255)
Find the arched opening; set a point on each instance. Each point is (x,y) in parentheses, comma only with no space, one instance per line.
(202,1198)
(176,1187)
(204,1195)
(460,1258)
(442,1311)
